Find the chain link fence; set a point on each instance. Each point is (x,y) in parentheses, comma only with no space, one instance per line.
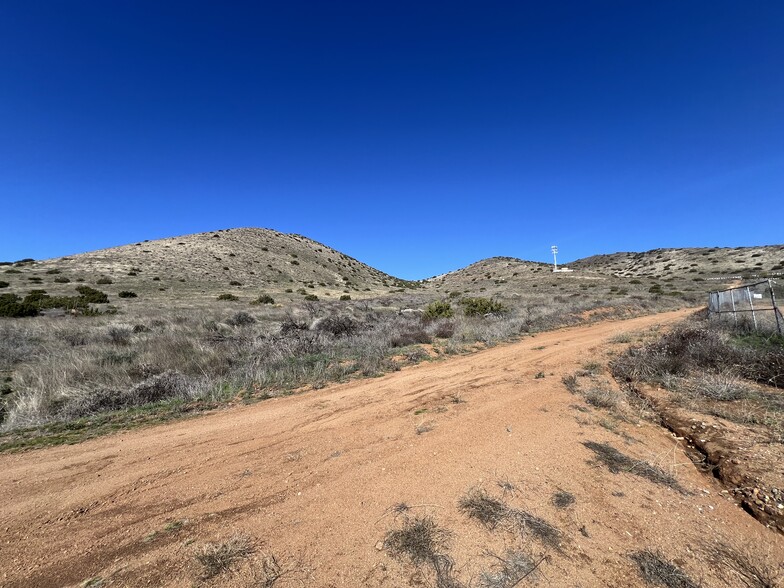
(752,306)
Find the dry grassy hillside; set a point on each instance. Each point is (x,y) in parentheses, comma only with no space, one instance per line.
(243,262)
(702,262)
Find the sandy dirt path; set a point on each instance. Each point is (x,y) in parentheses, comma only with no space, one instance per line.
(312,480)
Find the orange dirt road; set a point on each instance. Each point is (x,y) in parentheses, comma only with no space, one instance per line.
(313,478)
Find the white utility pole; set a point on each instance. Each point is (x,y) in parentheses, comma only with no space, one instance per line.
(554,249)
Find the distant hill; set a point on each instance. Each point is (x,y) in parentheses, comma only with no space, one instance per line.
(704,262)
(232,260)
(246,262)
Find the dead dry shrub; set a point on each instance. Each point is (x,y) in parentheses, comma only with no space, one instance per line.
(492,512)
(217,558)
(657,571)
(410,335)
(618,462)
(422,542)
(722,387)
(338,326)
(743,568)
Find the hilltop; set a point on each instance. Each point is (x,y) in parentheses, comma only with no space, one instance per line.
(235,261)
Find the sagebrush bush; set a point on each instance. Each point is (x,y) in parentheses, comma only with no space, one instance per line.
(127,294)
(264,299)
(104,280)
(4,284)
(438,309)
(481,306)
(230,297)
(344,297)
(311,297)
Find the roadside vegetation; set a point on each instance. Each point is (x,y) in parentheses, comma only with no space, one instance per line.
(148,361)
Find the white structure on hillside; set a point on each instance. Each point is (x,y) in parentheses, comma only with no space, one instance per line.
(554,249)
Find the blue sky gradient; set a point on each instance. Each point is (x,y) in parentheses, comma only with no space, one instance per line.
(417,137)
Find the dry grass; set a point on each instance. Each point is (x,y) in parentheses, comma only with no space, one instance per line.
(657,571)
(422,542)
(492,512)
(618,462)
(217,558)
(748,568)
(511,569)
(64,367)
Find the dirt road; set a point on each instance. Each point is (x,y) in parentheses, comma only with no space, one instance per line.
(313,480)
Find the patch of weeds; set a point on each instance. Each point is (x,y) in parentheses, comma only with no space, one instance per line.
(563,499)
(218,557)
(96,582)
(618,462)
(422,542)
(491,513)
(743,569)
(174,526)
(657,571)
(539,376)
(602,398)
(571,384)
(721,387)
(621,338)
(611,426)
(592,368)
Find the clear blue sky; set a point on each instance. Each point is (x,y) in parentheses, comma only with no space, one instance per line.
(416,136)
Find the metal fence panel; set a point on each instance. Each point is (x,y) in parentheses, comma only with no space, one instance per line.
(752,306)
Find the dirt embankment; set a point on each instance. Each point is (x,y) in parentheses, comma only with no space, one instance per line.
(310,486)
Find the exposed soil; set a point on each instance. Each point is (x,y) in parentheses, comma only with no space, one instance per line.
(742,457)
(318,479)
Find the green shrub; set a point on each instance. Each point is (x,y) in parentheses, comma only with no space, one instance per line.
(4,284)
(235,283)
(62,280)
(127,294)
(231,297)
(53,271)
(104,280)
(345,297)
(481,306)
(438,309)
(311,297)
(12,306)
(264,299)
(91,295)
